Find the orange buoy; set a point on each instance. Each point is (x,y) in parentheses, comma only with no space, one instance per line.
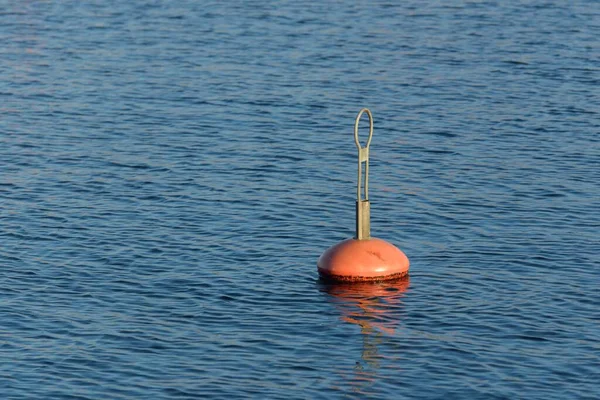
(363,258)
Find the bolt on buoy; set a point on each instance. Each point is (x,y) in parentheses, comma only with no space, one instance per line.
(363,258)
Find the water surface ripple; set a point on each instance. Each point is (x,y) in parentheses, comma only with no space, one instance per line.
(171,171)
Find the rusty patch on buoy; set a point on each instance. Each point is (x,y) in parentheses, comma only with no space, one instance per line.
(346,278)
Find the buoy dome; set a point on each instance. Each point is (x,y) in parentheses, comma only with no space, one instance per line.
(363,260)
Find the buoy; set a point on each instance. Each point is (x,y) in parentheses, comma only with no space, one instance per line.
(363,258)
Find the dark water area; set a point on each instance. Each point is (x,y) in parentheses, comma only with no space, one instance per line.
(170,173)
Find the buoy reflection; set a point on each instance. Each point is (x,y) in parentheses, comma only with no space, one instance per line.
(376,308)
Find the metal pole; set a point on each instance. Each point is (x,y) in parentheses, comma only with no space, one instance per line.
(363,207)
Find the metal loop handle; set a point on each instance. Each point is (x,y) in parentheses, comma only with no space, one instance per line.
(361,112)
(363,153)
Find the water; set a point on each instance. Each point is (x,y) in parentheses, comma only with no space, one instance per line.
(171,171)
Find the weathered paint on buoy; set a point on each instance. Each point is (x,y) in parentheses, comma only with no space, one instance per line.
(363,258)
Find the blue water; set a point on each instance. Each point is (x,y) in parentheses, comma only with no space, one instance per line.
(170,171)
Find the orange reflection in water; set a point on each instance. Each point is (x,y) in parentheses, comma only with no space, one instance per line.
(369,305)
(374,307)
